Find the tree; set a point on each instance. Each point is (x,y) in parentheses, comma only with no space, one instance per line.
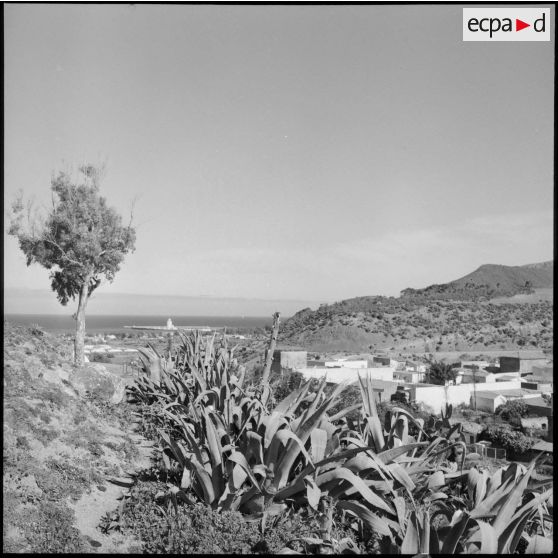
(513,409)
(515,443)
(80,240)
(440,373)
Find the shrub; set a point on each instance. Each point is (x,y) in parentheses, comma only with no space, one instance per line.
(49,528)
(515,443)
(514,409)
(285,384)
(198,529)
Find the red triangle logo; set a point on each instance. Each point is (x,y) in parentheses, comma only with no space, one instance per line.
(519,25)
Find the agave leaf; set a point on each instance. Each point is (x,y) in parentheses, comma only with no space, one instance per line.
(292,400)
(214,445)
(285,436)
(345,411)
(252,447)
(343,473)
(389,455)
(377,524)
(539,545)
(401,475)
(438,496)
(457,528)
(436,479)
(313,492)
(400,507)
(174,447)
(288,458)
(273,423)
(238,477)
(205,481)
(508,539)
(512,502)
(318,443)
(425,533)
(239,459)
(410,544)
(186,480)
(494,481)
(360,463)
(486,536)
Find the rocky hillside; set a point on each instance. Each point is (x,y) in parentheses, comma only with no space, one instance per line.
(490,281)
(66,445)
(457,316)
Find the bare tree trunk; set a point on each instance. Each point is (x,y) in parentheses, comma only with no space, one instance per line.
(79,341)
(271,348)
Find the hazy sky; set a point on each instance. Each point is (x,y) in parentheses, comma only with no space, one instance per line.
(285,152)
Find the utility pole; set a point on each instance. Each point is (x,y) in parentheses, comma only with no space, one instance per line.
(475,386)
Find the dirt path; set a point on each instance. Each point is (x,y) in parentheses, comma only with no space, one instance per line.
(92,507)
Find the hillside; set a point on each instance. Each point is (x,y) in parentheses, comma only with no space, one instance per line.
(66,437)
(490,281)
(457,316)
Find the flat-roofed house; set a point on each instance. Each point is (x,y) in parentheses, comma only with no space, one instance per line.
(409,376)
(488,400)
(291,358)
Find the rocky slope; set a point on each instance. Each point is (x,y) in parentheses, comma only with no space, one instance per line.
(457,316)
(489,281)
(67,441)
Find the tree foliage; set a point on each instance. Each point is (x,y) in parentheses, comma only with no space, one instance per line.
(440,373)
(515,443)
(513,409)
(81,239)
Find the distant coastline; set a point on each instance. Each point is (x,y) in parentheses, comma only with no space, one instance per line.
(115,323)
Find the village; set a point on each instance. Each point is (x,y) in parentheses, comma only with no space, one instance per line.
(479,391)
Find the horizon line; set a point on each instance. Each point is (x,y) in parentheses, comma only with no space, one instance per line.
(205,297)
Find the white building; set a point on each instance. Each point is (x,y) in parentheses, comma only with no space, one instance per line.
(409,376)
(480,364)
(345,363)
(339,375)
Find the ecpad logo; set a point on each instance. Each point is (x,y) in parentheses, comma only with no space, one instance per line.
(506,24)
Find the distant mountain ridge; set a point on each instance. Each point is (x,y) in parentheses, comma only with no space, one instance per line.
(492,280)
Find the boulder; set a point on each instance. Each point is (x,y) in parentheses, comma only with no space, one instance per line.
(98,381)
(56,375)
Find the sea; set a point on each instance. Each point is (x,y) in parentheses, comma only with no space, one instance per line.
(115,324)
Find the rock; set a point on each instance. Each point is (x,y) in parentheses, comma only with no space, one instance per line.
(29,346)
(56,376)
(92,541)
(119,392)
(119,481)
(98,381)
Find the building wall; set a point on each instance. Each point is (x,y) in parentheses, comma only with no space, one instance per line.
(470,363)
(294,359)
(288,359)
(409,376)
(489,404)
(436,397)
(509,364)
(382,360)
(346,364)
(527,365)
(338,375)
(544,372)
(539,386)
(540,423)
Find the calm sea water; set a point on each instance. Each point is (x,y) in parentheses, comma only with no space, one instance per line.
(115,324)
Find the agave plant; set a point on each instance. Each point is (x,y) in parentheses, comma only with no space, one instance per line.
(235,453)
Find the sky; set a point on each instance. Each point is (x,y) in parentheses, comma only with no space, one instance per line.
(291,155)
